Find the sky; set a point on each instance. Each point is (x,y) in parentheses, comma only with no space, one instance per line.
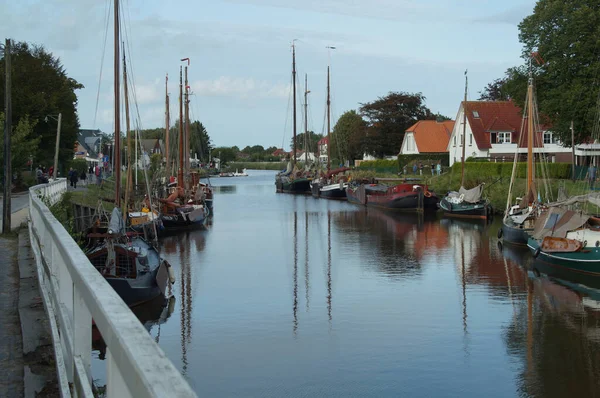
(240,55)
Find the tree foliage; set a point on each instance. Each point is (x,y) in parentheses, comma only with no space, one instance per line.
(348,136)
(24,144)
(41,87)
(566,35)
(388,118)
(312,140)
(225,154)
(495,91)
(200,142)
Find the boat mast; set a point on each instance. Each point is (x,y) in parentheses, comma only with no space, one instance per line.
(117,146)
(328,122)
(464,135)
(180,170)
(530,133)
(187,126)
(129,177)
(167,122)
(294,94)
(306,118)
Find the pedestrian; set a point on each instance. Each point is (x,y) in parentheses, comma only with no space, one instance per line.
(91,173)
(70,176)
(98,175)
(74,178)
(404,170)
(439,168)
(83,177)
(420,168)
(415,168)
(432,168)
(592,175)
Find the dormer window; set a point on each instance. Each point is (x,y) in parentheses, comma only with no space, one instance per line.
(476,114)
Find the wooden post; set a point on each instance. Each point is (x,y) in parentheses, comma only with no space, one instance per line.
(55,171)
(117,146)
(6,213)
(167,125)
(294,100)
(181,154)
(572,151)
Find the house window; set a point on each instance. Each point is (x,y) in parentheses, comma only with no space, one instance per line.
(549,138)
(476,114)
(471,140)
(501,138)
(454,140)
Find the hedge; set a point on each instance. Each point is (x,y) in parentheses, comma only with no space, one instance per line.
(504,169)
(426,158)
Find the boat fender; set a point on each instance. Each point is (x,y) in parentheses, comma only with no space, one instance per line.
(461,197)
(536,252)
(584,244)
(171,272)
(500,233)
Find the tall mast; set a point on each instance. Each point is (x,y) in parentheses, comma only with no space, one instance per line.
(294,94)
(129,177)
(306,118)
(167,122)
(328,122)
(117,146)
(464,134)
(187,123)
(530,133)
(180,170)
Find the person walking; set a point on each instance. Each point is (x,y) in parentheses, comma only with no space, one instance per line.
(91,173)
(432,168)
(592,175)
(439,168)
(70,176)
(74,178)
(415,168)
(98,175)
(420,168)
(83,177)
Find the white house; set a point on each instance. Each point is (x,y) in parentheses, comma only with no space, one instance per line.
(322,145)
(493,130)
(427,136)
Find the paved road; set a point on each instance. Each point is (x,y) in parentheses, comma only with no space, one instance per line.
(18,201)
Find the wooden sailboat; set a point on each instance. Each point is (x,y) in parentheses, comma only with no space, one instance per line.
(466,203)
(130,264)
(333,184)
(184,208)
(292,180)
(518,221)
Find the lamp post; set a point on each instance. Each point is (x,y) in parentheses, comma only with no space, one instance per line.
(59,120)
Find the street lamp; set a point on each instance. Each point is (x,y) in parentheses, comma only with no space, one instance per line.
(59,120)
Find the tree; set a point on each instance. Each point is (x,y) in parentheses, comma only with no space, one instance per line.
(388,118)
(565,35)
(200,141)
(41,87)
(348,136)
(495,91)
(24,144)
(312,141)
(225,154)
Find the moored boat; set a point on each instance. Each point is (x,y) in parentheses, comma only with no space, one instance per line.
(466,203)
(403,197)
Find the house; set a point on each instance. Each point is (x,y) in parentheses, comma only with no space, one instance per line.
(303,156)
(322,145)
(493,131)
(90,142)
(279,153)
(427,136)
(152,146)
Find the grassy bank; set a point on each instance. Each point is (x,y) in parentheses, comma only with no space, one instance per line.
(257,165)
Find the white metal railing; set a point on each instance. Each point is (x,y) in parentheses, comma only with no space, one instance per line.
(74,293)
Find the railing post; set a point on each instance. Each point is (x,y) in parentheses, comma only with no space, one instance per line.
(82,333)
(115,385)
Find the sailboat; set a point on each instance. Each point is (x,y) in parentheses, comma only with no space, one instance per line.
(292,180)
(466,203)
(184,208)
(519,219)
(330,186)
(130,264)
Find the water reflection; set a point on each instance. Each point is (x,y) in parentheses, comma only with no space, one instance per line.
(224,189)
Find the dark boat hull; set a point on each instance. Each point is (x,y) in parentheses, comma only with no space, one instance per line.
(300,186)
(514,234)
(334,192)
(142,289)
(579,267)
(174,222)
(315,189)
(481,209)
(356,195)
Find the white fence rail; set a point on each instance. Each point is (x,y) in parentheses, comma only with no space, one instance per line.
(74,293)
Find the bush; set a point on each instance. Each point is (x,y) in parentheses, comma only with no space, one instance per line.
(504,169)
(80,165)
(426,158)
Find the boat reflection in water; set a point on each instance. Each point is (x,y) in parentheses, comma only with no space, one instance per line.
(152,313)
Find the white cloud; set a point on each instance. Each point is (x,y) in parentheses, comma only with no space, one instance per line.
(241,88)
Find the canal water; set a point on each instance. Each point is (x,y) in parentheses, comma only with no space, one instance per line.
(294,296)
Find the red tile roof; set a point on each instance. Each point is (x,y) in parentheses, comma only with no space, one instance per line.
(432,136)
(496,116)
(322,141)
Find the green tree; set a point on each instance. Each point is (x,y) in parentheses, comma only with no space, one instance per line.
(200,142)
(566,35)
(24,144)
(495,91)
(348,136)
(388,118)
(225,154)
(312,140)
(79,165)
(41,87)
